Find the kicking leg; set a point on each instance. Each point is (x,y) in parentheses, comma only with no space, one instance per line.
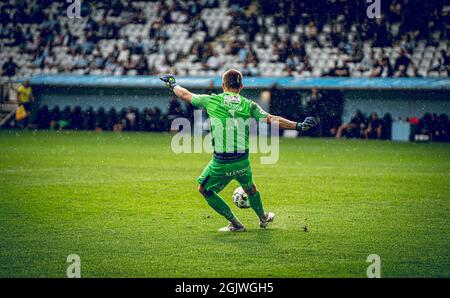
(220,206)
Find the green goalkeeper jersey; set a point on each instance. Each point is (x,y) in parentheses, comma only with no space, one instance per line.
(230,115)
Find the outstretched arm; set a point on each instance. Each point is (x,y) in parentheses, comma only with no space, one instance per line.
(288,124)
(281,122)
(183,93)
(179,91)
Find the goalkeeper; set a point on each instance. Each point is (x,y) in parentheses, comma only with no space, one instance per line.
(231,162)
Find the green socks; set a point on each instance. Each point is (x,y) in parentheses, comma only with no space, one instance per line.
(256,204)
(218,204)
(221,207)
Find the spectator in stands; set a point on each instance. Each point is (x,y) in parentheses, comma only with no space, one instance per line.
(252,26)
(111,64)
(426,125)
(124,54)
(18,40)
(88,43)
(89,119)
(401,73)
(444,63)
(142,67)
(395,9)
(384,69)
(163,66)
(284,49)
(407,44)
(97,56)
(50,61)
(38,30)
(243,52)
(139,46)
(374,127)
(43,118)
(4,17)
(197,24)
(174,109)
(356,54)
(121,120)
(76,119)
(292,62)
(336,36)
(100,120)
(402,62)
(305,66)
(341,69)
(250,69)
(112,120)
(147,119)
(415,71)
(138,17)
(298,50)
(131,119)
(9,68)
(382,54)
(129,66)
(65,121)
(214,62)
(312,32)
(442,129)
(80,62)
(386,132)
(55,116)
(367,62)
(354,128)
(157,32)
(382,37)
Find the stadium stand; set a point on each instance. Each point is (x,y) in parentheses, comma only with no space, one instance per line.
(300,39)
(202,38)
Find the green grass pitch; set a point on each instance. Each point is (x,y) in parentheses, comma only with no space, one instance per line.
(129,207)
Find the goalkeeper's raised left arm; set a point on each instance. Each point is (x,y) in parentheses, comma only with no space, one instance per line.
(179,91)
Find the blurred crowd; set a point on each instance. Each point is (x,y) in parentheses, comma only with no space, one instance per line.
(371,127)
(101,119)
(435,127)
(280,38)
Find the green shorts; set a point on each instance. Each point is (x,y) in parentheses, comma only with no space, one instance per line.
(217,174)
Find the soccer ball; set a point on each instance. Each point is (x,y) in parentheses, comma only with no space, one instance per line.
(240,198)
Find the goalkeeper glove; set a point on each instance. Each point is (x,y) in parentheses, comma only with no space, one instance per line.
(309,122)
(169,80)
